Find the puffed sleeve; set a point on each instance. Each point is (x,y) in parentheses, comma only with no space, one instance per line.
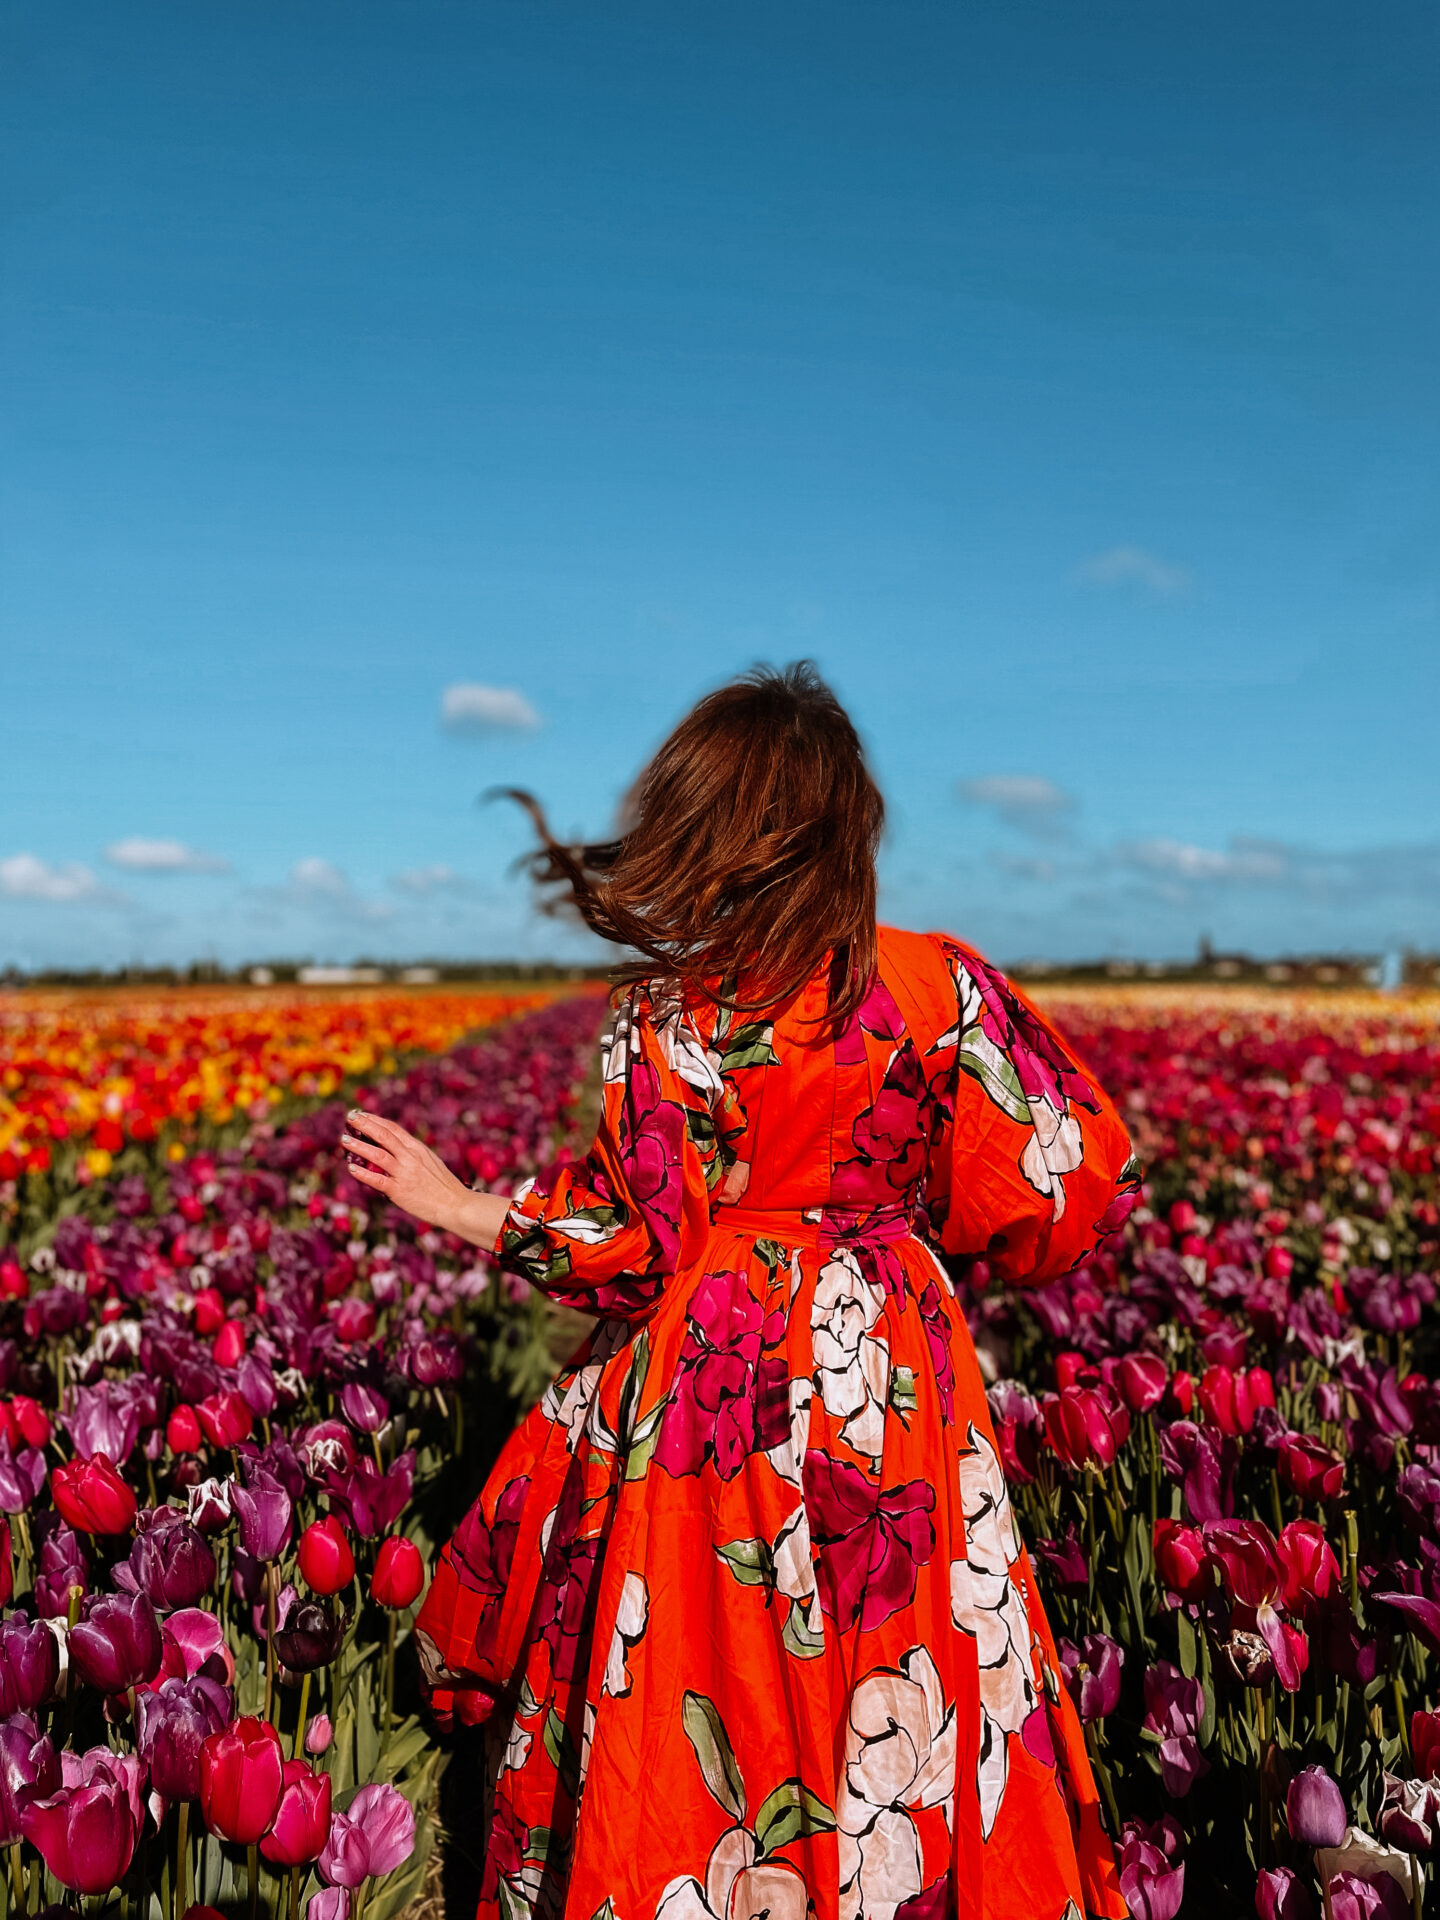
(1030,1164)
(603,1233)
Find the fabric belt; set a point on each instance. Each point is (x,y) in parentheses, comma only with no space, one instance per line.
(816,1227)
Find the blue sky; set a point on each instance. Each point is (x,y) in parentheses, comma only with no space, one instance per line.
(1062,380)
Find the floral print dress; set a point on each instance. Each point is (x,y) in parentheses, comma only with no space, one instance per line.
(743,1600)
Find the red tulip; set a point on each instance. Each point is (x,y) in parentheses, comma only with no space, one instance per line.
(1182,1392)
(86,1833)
(1310,1470)
(31,1419)
(7,1570)
(1425,1743)
(1140,1380)
(399,1573)
(302,1824)
(230,1344)
(1232,1399)
(241,1777)
(1308,1567)
(325,1557)
(1068,1369)
(1244,1552)
(1085,1425)
(182,1431)
(1180,1559)
(209,1310)
(225,1418)
(91,1496)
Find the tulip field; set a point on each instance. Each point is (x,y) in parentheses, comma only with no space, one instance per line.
(242,1402)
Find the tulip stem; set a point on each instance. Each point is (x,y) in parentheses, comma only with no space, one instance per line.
(17,1879)
(252,1864)
(269,1639)
(182,1862)
(295,1893)
(1417,1888)
(389,1682)
(1398,1691)
(304,1710)
(1102,1774)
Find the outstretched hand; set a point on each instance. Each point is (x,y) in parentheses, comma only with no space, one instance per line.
(416,1179)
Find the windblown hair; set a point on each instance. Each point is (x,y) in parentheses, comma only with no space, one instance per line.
(747,853)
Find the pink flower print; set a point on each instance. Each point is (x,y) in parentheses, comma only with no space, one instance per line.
(1045,1071)
(484,1554)
(891,1138)
(870,1543)
(565,1609)
(652,1135)
(936,1323)
(730,1397)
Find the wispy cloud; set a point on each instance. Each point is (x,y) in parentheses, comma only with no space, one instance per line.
(139,855)
(1126,566)
(1244,860)
(420,882)
(1027,801)
(470,708)
(319,884)
(23,877)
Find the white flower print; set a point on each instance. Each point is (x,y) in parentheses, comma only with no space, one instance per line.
(568,1403)
(852,1367)
(788,1458)
(737,1886)
(988,1604)
(517,1748)
(900,1752)
(795,1568)
(685,1052)
(1054,1148)
(631,1620)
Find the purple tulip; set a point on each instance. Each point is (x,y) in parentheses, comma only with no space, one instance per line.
(1181,1764)
(1283,1895)
(1353,1896)
(104,1419)
(1065,1561)
(175,1721)
(309,1635)
(62,1565)
(28,1770)
(331,1903)
(256,1381)
(436,1360)
(264,1511)
(1151,1878)
(371,1501)
(1422,1616)
(170,1562)
(1410,1814)
(1173,1704)
(373,1836)
(364,1407)
(1092,1671)
(117,1644)
(29,1664)
(22,1475)
(1315,1809)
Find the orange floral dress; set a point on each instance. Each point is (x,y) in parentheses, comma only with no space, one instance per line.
(743,1599)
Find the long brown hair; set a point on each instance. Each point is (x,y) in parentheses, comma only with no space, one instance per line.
(748,852)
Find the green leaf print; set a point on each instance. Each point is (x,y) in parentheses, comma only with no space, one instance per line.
(787,1813)
(643,1442)
(796,1637)
(632,1386)
(751,1562)
(705,1730)
(902,1391)
(564,1755)
(749,1046)
(994,1069)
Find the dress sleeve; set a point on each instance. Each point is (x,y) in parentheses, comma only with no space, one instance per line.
(1030,1164)
(603,1233)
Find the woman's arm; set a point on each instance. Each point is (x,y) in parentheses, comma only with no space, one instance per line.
(404,1169)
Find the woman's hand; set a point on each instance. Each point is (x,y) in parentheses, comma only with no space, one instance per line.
(416,1179)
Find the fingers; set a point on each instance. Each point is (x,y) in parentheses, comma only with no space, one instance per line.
(376,1124)
(371,1176)
(368,1150)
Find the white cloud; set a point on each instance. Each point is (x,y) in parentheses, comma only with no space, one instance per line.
(471,708)
(421,881)
(1245,860)
(316,882)
(140,855)
(1132,566)
(24,877)
(1025,800)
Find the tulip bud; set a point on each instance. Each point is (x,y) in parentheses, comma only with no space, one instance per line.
(264,1511)
(319,1734)
(230,1344)
(325,1557)
(1425,1743)
(309,1636)
(1315,1809)
(399,1573)
(241,1776)
(1093,1672)
(29,1665)
(1180,1559)
(366,1409)
(225,1418)
(31,1420)
(209,1311)
(1141,1379)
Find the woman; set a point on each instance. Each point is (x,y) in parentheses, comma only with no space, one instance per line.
(743,1600)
